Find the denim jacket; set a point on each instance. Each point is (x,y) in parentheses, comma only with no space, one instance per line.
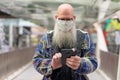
(43,56)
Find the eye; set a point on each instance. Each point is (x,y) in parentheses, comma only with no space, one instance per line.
(65,19)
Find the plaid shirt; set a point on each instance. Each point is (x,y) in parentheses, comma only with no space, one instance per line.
(43,56)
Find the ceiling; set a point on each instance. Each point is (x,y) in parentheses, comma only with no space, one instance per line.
(43,11)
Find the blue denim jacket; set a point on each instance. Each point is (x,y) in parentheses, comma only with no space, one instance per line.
(43,56)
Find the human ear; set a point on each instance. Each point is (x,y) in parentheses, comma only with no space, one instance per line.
(56,17)
(74,17)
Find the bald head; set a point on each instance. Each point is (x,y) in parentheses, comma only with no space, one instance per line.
(65,11)
(67,8)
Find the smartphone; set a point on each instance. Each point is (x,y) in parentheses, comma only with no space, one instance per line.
(66,53)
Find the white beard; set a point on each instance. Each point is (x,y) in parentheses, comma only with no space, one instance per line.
(61,38)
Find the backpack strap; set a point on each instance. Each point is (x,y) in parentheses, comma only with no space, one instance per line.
(80,41)
(55,49)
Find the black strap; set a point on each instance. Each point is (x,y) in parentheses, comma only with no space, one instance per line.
(80,40)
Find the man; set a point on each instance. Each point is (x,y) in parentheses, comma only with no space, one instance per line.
(48,58)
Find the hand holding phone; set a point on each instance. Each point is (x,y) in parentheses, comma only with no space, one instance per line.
(66,53)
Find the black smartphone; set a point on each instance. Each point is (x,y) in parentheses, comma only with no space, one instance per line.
(66,53)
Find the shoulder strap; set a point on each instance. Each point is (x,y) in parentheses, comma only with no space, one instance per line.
(55,48)
(49,38)
(80,41)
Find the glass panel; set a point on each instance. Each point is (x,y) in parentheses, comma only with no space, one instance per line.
(112,34)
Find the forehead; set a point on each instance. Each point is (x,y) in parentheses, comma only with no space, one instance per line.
(65,13)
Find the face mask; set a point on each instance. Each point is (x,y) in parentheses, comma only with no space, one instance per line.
(65,25)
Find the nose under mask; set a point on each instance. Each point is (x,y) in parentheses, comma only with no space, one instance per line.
(65,25)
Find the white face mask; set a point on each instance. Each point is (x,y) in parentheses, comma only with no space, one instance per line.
(65,25)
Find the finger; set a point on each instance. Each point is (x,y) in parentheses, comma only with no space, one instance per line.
(70,59)
(55,57)
(69,64)
(58,55)
(72,65)
(76,58)
(77,62)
